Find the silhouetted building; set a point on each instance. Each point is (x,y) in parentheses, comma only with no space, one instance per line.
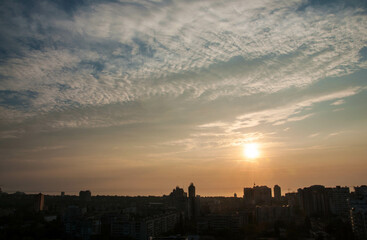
(338,200)
(257,195)
(78,226)
(85,196)
(178,193)
(358,218)
(123,226)
(39,203)
(292,199)
(277,193)
(270,214)
(62,194)
(314,200)
(235,195)
(197,206)
(160,224)
(142,229)
(248,195)
(361,191)
(193,203)
(262,194)
(178,199)
(220,223)
(191,191)
(71,220)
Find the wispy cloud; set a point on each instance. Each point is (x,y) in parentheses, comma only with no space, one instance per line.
(11,133)
(239,131)
(116,52)
(288,113)
(47,148)
(212,125)
(314,135)
(333,134)
(338,102)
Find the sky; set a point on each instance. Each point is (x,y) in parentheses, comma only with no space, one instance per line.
(136,97)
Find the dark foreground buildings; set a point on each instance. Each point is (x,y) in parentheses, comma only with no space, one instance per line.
(314,212)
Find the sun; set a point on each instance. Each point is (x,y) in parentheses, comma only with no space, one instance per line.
(251,150)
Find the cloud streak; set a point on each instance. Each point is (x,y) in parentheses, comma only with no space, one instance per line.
(115,52)
(288,113)
(241,130)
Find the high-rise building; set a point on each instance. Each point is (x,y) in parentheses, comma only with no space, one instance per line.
(361,191)
(197,206)
(192,203)
(125,227)
(191,191)
(314,200)
(292,199)
(178,193)
(85,196)
(248,195)
(62,194)
(338,200)
(262,194)
(277,193)
(358,218)
(178,199)
(39,203)
(257,195)
(270,214)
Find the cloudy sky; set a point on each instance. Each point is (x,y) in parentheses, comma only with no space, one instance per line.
(136,97)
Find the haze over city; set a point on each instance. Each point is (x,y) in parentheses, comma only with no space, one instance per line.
(136,97)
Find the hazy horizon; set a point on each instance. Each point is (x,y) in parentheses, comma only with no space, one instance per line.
(158,194)
(136,97)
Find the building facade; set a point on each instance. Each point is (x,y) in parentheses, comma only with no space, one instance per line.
(277,193)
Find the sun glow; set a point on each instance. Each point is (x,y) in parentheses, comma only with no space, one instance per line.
(251,150)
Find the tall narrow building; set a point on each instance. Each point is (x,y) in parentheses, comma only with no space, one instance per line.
(248,195)
(191,191)
(40,202)
(192,205)
(277,193)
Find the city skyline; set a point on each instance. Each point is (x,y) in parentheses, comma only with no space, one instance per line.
(136,97)
(238,194)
